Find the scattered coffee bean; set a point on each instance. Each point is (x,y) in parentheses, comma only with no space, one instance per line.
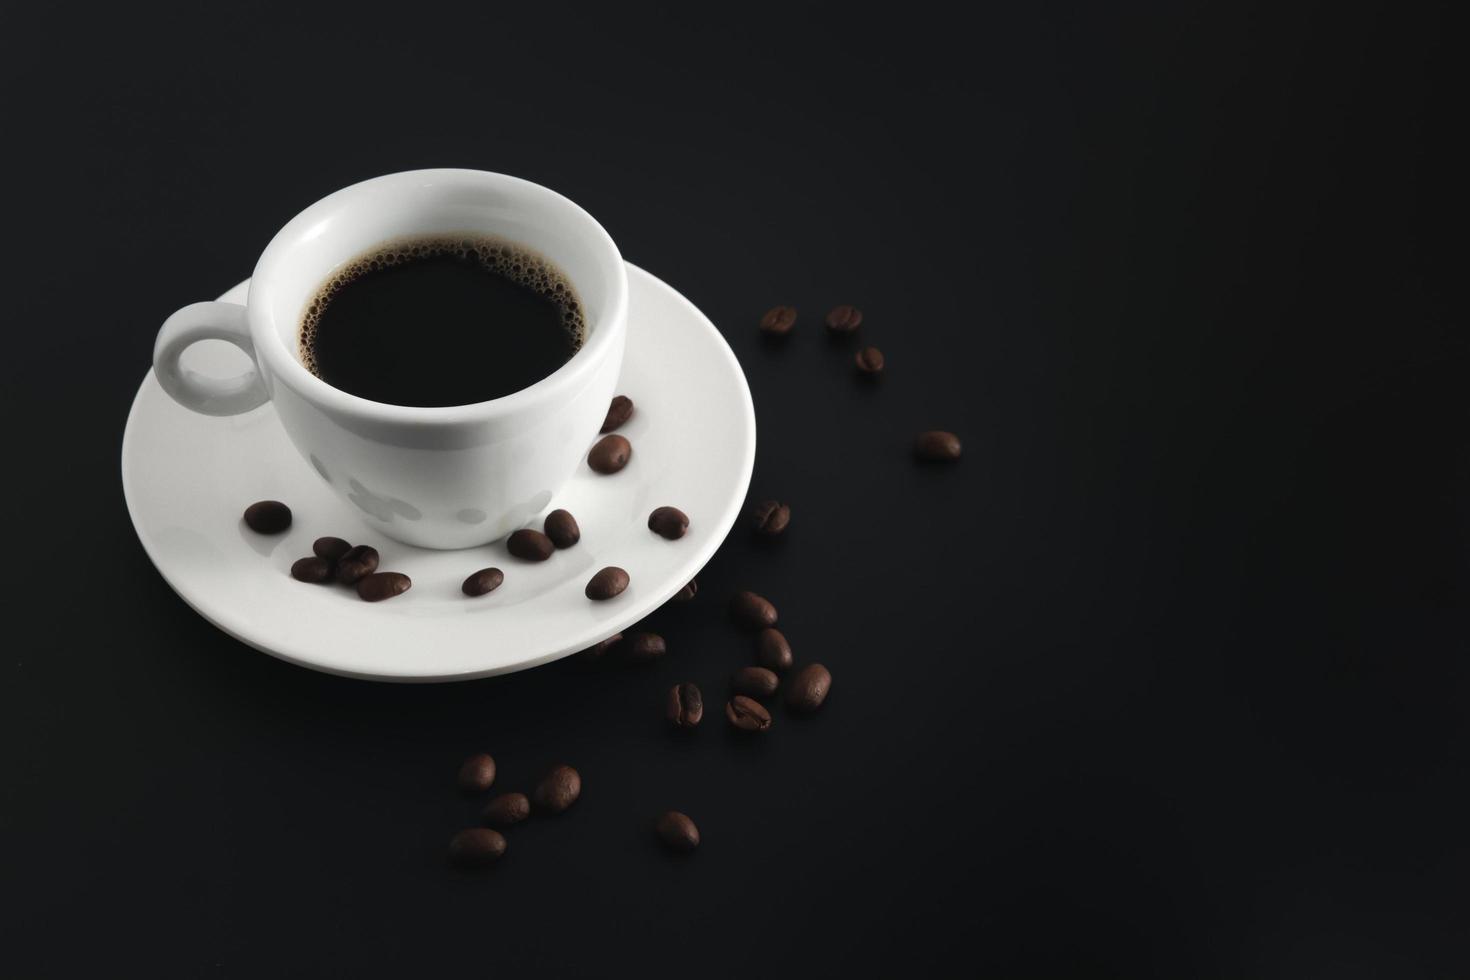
(561,527)
(869,361)
(268,517)
(747,715)
(484,581)
(778,321)
(332,549)
(620,411)
(937,446)
(312,569)
(609,582)
(357,564)
(770,517)
(685,706)
(677,831)
(598,650)
(610,454)
(807,688)
(754,682)
(382,585)
(477,847)
(557,790)
(529,545)
(668,522)
(752,611)
(506,809)
(844,319)
(688,592)
(772,651)
(643,647)
(477,774)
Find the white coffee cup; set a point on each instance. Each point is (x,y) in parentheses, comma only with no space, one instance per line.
(448,477)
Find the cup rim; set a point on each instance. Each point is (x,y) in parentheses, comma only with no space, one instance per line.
(580,366)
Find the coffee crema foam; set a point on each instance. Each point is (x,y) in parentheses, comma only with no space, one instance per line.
(509,259)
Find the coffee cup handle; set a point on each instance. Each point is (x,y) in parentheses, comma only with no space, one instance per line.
(208,396)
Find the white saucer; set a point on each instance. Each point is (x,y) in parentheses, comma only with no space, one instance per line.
(187,479)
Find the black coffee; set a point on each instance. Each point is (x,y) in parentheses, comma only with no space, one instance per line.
(441,321)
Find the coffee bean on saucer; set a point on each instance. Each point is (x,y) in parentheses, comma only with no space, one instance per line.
(598,650)
(557,790)
(561,527)
(268,517)
(477,774)
(477,847)
(311,569)
(844,319)
(610,454)
(382,585)
(685,705)
(332,549)
(620,411)
(609,582)
(752,611)
(529,545)
(643,647)
(484,581)
(668,522)
(772,651)
(747,715)
(869,361)
(754,682)
(937,447)
(506,809)
(770,517)
(357,564)
(778,321)
(677,831)
(687,593)
(807,688)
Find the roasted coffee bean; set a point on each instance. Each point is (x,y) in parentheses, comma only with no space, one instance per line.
(312,569)
(609,582)
(382,585)
(844,319)
(332,549)
(561,527)
(668,522)
(677,831)
(557,790)
(357,564)
(772,651)
(778,321)
(477,774)
(937,447)
(268,517)
(754,682)
(869,361)
(506,809)
(752,611)
(687,593)
(807,688)
(477,847)
(747,715)
(528,544)
(643,647)
(610,454)
(770,517)
(620,411)
(484,581)
(685,705)
(598,650)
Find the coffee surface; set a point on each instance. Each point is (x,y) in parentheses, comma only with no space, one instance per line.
(441,321)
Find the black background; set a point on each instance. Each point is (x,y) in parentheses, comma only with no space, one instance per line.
(1166,678)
